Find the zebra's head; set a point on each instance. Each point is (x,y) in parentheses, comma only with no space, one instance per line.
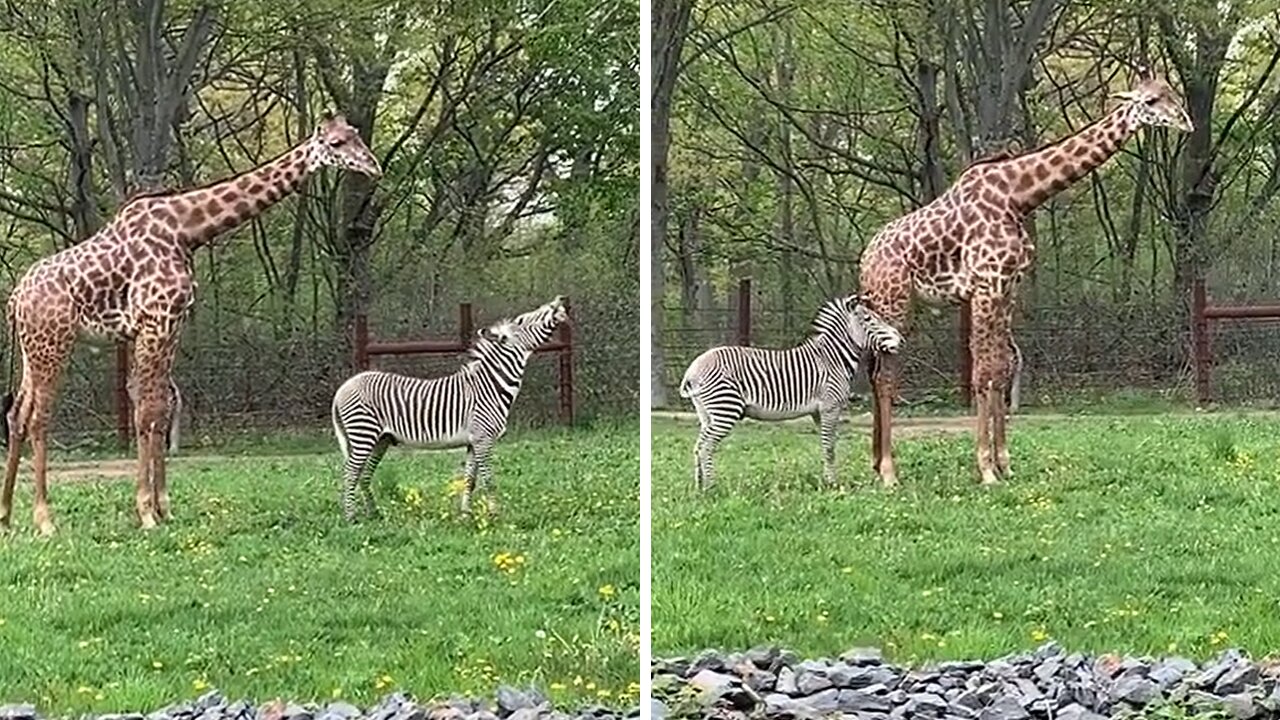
(876,333)
(525,332)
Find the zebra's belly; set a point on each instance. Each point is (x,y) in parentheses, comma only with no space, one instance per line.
(458,439)
(758,412)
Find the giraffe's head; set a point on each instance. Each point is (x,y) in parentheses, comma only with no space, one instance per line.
(336,144)
(1152,102)
(528,331)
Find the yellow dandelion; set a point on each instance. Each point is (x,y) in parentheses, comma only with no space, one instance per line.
(199,684)
(606,591)
(337,693)
(383,682)
(1039,635)
(157,664)
(557,686)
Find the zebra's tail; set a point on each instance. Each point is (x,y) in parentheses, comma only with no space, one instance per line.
(338,430)
(689,384)
(6,404)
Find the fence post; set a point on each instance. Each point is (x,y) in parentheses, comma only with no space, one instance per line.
(465,325)
(744,311)
(966,354)
(124,424)
(362,342)
(566,370)
(1200,340)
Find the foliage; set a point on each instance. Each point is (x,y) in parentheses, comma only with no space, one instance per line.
(259,589)
(1114,534)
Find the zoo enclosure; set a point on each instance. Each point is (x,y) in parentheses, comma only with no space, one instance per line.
(1084,348)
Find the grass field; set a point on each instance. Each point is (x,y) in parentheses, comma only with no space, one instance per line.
(260,589)
(1150,535)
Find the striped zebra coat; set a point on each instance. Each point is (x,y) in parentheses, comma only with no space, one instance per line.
(814,378)
(374,410)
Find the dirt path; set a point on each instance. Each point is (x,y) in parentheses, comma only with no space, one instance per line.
(71,471)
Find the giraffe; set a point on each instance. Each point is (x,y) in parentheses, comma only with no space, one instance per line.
(971,245)
(132,281)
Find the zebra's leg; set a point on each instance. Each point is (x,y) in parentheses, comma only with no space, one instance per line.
(484,476)
(827,420)
(366,477)
(361,439)
(719,409)
(469,474)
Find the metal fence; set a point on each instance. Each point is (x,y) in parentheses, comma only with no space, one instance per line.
(1083,349)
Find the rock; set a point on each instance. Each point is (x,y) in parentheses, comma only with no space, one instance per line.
(708,681)
(1210,674)
(758,680)
(445,712)
(977,698)
(110,716)
(827,701)
(861,701)
(961,712)
(930,703)
(293,711)
(1004,708)
(1047,670)
(782,707)
(787,682)
(708,660)
(523,714)
(763,656)
(1026,691)
(812,678)
(1048,650)
(346,711)
(18,712)
(1076,712)
(1241,705)
(1136,690)
(511,699)
(862,656)
(657,709)
(1236,679)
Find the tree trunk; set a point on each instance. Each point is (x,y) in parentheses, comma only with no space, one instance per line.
(670,28)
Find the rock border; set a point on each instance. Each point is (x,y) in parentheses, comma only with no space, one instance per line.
(1047,684)
(509,704)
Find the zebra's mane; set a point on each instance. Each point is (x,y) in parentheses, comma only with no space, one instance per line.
(830,313)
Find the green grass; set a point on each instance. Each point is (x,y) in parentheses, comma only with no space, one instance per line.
(1147,535)
(259,588)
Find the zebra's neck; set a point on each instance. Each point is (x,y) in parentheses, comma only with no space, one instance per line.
(839,352)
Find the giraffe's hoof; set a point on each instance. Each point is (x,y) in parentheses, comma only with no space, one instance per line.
(147,521)
(46,528)
(989,478)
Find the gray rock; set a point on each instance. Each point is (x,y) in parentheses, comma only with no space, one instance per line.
(445,712)
(1210,674)
(1026,691)
(522,714)
(511,699)
(787,682)
(294,711)
(705,680)
(763,656)
(756,679)
(111,716)
(708,660)
(812,679)
(782,707)
(862,701)
(922,703)
(1076,712)
(1236,679)
(1004,708)
(977,698)
(18,712)
(1047,670)
(863,656)
(962,712)
(657,709)
(1241,706)
(342,710)
(1136,690)
(827,701)
(960,666)
(1048,650)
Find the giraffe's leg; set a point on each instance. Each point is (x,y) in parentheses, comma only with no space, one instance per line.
(987,344)
(41,410)
(469,473)
(153,364)
(885,388)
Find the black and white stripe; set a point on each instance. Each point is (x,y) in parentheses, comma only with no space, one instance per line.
(813,378)
(375,410)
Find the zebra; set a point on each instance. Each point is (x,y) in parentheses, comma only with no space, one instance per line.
(374,410)
(814,378)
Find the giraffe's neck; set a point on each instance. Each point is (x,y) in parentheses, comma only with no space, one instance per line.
(1040,175)
(208,212)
